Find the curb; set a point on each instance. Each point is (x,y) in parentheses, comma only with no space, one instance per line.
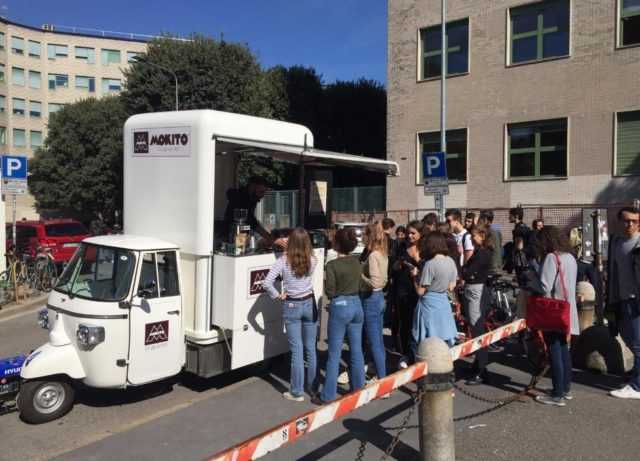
(13,308)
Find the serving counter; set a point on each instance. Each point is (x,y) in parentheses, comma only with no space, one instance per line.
(245,311)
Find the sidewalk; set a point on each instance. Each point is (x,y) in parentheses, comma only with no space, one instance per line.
(591,427)
(13,308)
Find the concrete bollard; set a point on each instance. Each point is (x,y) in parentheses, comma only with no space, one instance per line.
(435,413)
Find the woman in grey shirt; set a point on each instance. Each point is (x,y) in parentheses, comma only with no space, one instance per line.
(558,282)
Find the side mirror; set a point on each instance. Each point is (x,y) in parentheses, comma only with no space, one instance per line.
(124,305)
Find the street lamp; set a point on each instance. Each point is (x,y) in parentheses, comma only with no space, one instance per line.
(166,69)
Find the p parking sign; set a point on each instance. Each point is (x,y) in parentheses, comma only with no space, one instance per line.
(434,172)
(14,167)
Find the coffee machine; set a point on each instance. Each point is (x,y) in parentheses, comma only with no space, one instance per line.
(240,230)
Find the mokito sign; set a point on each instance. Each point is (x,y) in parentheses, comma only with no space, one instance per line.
(162,142)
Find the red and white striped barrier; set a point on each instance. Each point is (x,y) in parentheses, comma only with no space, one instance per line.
(292,430)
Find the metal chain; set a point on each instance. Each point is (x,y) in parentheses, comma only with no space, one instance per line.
(404,425)
(499,402)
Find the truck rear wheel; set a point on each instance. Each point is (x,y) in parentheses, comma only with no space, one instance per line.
(41,401)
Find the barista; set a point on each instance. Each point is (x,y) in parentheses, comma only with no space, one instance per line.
(247,198)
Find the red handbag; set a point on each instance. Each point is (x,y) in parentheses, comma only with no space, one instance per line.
(549,314)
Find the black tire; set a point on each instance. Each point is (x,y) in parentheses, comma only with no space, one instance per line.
(41,401)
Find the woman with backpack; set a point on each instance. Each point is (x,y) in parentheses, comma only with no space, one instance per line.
(299,311)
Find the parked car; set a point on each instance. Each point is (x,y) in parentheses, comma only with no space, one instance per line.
(359,228)
(60,236)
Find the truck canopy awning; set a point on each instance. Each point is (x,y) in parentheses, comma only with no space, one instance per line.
(310,156)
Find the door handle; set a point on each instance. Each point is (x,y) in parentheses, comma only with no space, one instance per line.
(176,312)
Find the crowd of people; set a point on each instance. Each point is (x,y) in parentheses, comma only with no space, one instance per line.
(409,275)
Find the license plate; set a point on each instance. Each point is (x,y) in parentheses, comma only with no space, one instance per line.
(71,245)
(9,388)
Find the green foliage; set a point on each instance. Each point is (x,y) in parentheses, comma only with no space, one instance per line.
(78,171)
(211,75)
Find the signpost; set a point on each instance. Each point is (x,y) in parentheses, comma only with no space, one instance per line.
(14,181)
(436,182)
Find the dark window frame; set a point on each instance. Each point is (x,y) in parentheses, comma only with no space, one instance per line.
(423,54)
(616,144)
(537,149)
(621,18)
(539,32)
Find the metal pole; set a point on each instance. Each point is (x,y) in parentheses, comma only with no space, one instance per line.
(443,94)
(14,202)
(598,264)
(435,413)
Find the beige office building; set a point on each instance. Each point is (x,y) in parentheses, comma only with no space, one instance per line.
(543,101)
(41,70)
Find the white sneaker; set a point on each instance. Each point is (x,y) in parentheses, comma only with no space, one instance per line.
(627,392)
(404,362)
(294,398)
(343,378)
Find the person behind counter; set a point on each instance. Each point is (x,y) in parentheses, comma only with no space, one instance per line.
(299,311)
(345,315)
(247,198)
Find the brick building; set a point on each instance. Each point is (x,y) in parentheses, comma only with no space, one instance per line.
(42,69)
(543,101)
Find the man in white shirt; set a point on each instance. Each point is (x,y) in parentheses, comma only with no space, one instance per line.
(462,236)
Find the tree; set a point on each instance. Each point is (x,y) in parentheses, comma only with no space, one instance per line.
(78,171)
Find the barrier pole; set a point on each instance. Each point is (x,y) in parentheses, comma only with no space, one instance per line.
(435,413)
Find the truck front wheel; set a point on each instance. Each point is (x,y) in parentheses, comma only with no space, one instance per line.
(41,401)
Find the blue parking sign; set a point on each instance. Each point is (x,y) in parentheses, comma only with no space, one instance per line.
(434,165)
(14,167)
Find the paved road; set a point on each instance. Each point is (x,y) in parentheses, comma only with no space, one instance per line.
(190,420)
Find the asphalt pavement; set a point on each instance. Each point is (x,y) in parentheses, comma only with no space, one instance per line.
(191,419)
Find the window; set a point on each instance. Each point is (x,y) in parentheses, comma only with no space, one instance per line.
(86,83)
(58,81)
(2,43)
(537,149)
(628,143)
(35,79)
(54,107)
(35,109)
(456,152)
(629,22)
(18,106)
(131,56)
(3,135)
(3,103)
(168,274)
(148,285)
(19,139)
(86,54)
(110,57)
(35,49)
(17,45)
(539,31)
(17,76)
(1,72)
(457,49)
(57,51)
(36,138)
(110,85)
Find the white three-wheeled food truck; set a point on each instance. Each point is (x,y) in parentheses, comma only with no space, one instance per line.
(172,294)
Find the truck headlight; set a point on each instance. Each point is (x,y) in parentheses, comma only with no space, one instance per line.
(43,318)
(89,336)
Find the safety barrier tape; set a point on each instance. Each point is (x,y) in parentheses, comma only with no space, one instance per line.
(292,430)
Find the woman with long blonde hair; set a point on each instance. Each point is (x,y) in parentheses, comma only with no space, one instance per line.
(374,278)
(299,312)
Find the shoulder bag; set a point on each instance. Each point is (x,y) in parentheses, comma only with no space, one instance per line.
(550,314)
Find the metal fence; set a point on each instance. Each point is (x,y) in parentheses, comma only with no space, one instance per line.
(357,199)
(564,216)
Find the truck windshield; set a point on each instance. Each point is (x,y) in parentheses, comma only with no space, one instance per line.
(98,273)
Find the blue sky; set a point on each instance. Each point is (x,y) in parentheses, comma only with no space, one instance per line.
(341,39)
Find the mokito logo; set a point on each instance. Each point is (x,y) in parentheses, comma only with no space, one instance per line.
(172,139)
(140,142)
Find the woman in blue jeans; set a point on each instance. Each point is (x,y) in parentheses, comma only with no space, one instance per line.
(342,283)
(374,278)
(299,313)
